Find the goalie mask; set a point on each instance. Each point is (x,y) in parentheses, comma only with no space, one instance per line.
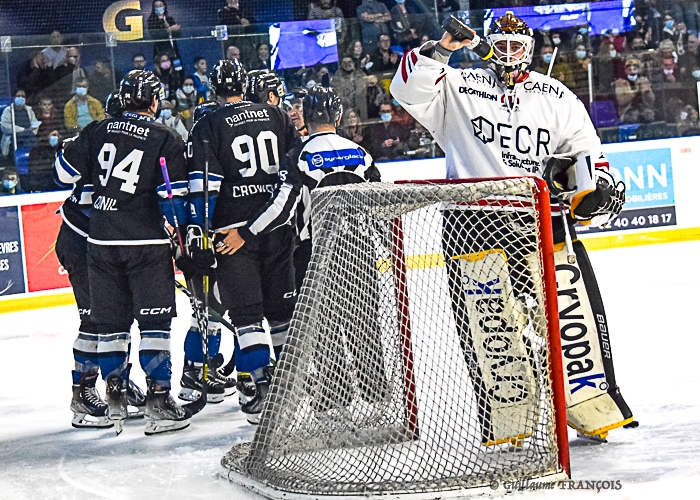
(513,47)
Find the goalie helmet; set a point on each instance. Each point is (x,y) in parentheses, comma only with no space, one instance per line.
(513,47)
(322,105)
(261,82)
(137,89)
(229,78)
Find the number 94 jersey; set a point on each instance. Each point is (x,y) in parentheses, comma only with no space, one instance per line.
(246,143)
(121,158)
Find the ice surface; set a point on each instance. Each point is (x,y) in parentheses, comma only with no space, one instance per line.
(650,296)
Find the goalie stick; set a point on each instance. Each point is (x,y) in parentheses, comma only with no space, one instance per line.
(200,312)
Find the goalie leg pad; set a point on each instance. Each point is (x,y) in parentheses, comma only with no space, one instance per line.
(593,399)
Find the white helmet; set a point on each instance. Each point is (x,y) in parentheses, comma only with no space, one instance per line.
(513,47)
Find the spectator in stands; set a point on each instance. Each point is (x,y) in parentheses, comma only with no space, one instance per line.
(384,59)
(233,53)
(25,125)
(374,19)
(351,128)
(138,61)
(233,15)
(82,108)
(10,182)
(560,70)
(77,73)
(169,77)
(41,164)
(635,99)
(50,120)
(579,73)
(201,79)
(262,58)
(383,139)
(102,81)
(359,56)
(56,53)
(293,105)
(647,17)
(688,121)
(686,11)
(171,119)
(401,116)
(669,30)
(35,76)
(609,67)
(164,29)
(671,73)
(351,86)
(420,144)
(402,27)
(326,9)
(187,99)
(375,95)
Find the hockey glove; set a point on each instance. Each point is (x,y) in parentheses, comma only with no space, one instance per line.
(605,203)
(199,263)
(560,177)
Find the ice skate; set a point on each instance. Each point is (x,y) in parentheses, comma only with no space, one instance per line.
(245,387)
(136,400)
(116,399)
(163,414)
(191,385)
(253,408)
(89,410)
(216,373)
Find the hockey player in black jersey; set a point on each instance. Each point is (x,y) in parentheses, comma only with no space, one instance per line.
(89,410)
(129,258)
(244,143)
(264,86)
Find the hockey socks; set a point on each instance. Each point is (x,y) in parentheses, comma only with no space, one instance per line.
(154,354)
(193,341)
(85,354)
(255,350)
(278,334)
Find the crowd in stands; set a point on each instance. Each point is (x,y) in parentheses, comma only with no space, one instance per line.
(646,75)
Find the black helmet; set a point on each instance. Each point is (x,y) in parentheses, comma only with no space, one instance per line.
(137,89)
(261,82)
(322,105)
(113,105)
(228,78)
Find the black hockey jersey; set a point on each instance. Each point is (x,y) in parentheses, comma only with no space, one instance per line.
(121,158)
(326,159)
(246,143)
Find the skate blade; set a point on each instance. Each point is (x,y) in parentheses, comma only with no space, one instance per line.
(118,426)
(154,427)
(229,391)
(253,418)
(135,411)
(191,395)
(593,439)
(85,421)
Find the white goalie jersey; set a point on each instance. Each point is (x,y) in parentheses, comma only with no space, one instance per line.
(487,131)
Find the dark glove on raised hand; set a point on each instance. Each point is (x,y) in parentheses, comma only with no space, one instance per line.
(556,174)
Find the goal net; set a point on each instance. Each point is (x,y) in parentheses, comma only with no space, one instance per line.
(419,356)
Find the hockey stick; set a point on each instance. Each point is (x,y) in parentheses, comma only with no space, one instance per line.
(205,279)
(212,312)
(199,312)
(570,254)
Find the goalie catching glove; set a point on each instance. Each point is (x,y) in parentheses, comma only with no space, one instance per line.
(199,261)
(602,205)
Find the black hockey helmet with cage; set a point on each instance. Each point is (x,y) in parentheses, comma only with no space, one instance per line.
(113,105)
(137,90)
(229,78)
(513,47)
(322,105)
(261,82)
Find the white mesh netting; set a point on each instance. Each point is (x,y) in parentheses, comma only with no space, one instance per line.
(417,358)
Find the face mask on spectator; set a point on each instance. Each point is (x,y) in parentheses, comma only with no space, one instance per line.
(165,65)
(19,101)
(386,117)
(547,58)
(160,10)
(400,1)
(310,84)
(668,72)
(53,140)
(668,24)
(583,30)
(166,113)
(556,40)
(696,74)
(613,53)
(581,54)
(632,78)
(683,115)
(81,90)
(9,184)
(188,89)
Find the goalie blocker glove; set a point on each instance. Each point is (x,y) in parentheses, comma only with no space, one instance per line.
(604,204)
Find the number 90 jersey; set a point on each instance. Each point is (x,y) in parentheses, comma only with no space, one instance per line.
(246,143)
(121,158)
